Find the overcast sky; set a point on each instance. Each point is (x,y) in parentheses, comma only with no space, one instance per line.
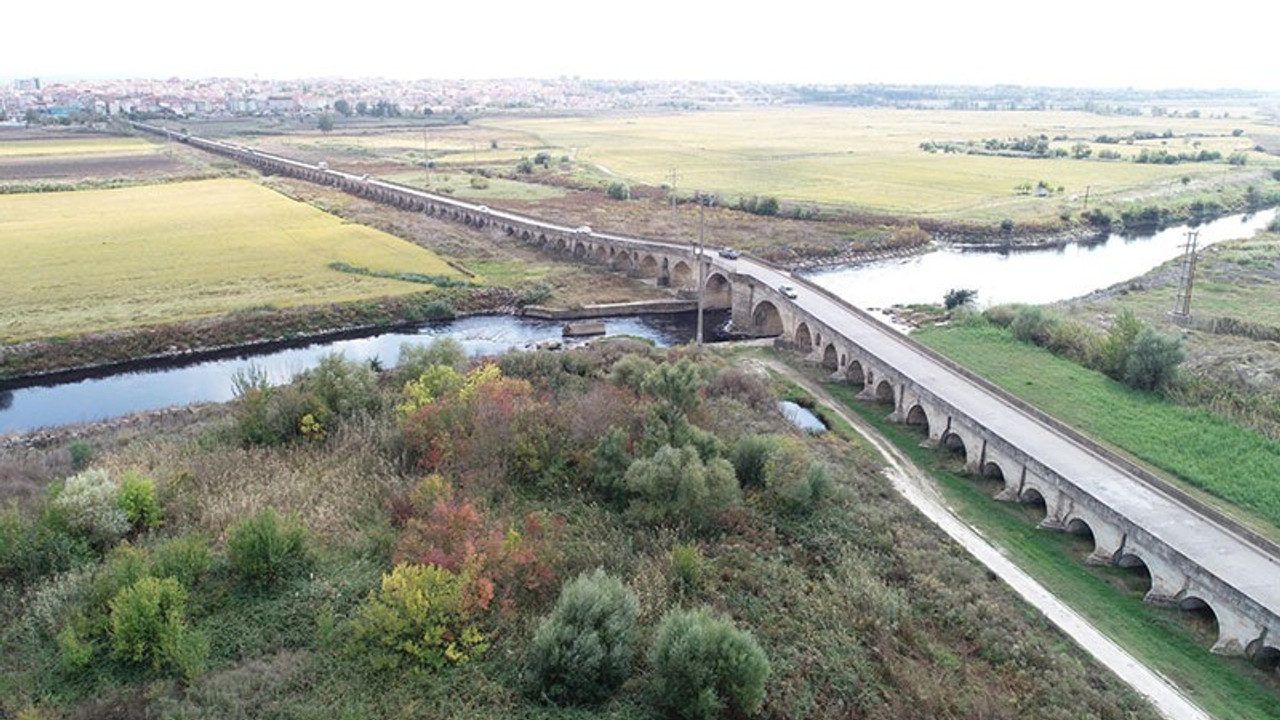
(1094,43)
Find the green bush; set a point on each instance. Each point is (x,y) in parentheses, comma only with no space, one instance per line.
(185,559)
(88,503)
(416,359)
(138,501)
(1153,360)
(618,191)
(687,567)
(630,371)
(956,297)
(674,487)
(82,454)
(264,548)
(1114,351)
(31,548)
(704,667)
(609,463)
(581,653)
(794,483)
(420,614)
(749,456)
(1031,324)
(343,387)
(148,622)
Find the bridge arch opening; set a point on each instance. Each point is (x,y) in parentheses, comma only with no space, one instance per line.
(1035,502)
(579,250)
(1204,621)
(1082,535)
(622,262)
(682,276)
(916,417)
(601,255)
(884,393)
(649,267)
(766,320)
(1138,579)
(803,340)
(992,471)
(831,358)
(717,293)
(1266,658)
(854,374)
(954,444)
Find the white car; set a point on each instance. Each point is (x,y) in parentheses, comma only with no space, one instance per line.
(787,291)
(583,230)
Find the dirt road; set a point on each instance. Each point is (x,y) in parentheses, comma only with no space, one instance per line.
(914,485)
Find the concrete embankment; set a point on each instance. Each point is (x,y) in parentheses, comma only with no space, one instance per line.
(641,307)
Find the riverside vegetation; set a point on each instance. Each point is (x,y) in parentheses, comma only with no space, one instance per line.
(632,531)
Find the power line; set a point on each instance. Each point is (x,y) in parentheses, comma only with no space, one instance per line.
(1182,303)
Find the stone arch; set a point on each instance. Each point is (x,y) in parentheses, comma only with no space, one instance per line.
(954,443)
(1265,657)
(1034,498)
(562,245)
(622,262)
(885,394)
(1202,615)
(1136,564)
(717,293)
(1081,529)
(766,320)
(601,255)
(854,373)
(682,276)
(831,358)
(579,250)
(803,339)
(991,469)
(649,267)
(917,417)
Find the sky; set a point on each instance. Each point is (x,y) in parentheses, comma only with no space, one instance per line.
(1087,43)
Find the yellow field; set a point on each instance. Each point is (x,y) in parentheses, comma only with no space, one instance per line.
(86,261)
(871,159)
(76,146)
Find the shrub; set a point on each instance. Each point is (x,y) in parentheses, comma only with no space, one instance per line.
(703,666)
(264,548)
(148,621)
(749,456)
(630,371)
(184,559)
(674,487)
(416,359)
(678,385)
(31,548)
(1078,342)
(1031,324)
(1115,348)
(1001,315)
(618,191)
(88,503)
(81,453)
(687,568)
(74,652)
(342,387)
(794,483)
(609,463)
(582,652)
(419,615)
(1153,360)
(138,501)
(748,387)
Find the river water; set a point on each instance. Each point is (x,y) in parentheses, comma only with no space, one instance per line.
(1028,276)
(1024,276)
(169,384)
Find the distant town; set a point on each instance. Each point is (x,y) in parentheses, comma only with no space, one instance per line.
(31,100)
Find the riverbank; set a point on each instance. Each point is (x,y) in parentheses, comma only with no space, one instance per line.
(92,354)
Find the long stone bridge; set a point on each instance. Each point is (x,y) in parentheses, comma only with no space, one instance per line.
(1197,558)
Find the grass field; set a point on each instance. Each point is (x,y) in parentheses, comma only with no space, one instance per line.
(459,185)
(1209,453)
(108,259)
(76,146)
(871,159)
(464,145)
(1169,641)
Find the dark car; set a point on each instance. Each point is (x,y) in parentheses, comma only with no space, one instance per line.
(729,253)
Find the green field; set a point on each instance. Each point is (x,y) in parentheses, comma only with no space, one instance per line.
(871,158)
(1205,451)
(75,146)
(100,260)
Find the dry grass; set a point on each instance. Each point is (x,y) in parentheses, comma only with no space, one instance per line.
(110,259)
(76,146)
(870,158)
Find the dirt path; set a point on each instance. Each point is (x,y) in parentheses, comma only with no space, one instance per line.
(918,488)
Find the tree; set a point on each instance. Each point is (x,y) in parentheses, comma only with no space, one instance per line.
(674,487)
(956,297)
(704,666)
(342,107)
(582,651)
(325,123)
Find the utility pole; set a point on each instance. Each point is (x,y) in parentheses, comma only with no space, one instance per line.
(426,159)
(1182,303)
(701,280)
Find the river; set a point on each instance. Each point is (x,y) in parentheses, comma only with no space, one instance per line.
(181,383)
(1028,276)
(1024,276)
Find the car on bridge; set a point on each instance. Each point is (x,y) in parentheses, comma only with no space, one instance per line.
(729,253)
(787,291)
(583,230)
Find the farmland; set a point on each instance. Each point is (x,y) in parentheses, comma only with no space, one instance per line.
(108,259)
(870,159)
